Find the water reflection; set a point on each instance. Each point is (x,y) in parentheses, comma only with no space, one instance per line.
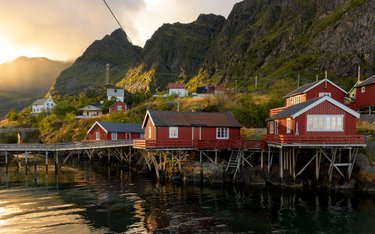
(92,198)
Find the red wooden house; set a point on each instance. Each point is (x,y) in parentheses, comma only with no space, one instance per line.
(319,121)
(314,90)
(363,94)
(118,107)
(104,131)
(164,129)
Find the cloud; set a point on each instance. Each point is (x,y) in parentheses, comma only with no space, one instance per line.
(63,29)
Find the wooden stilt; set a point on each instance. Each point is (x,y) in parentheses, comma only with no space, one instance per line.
(6,161)
(57,162)
(294,164)
(46,162)
(261,159)
(281,163)
(349,163)
(216,157)
(269,160)
(317,164)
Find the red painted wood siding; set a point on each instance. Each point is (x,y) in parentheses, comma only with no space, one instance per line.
(113,108)
(336,93)
(149,126)
(325,108)
(91,136)
(367,98)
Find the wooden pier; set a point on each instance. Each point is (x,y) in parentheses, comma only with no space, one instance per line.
(122,150)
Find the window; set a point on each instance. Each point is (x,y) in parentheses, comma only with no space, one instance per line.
(325,123)
(297,99)
(324,94)
(291,100)
(222,133)
(272,127)
(97,136)
(288,124)
(114,136)
(173,132)
(119,108)
(149,132)
(363,89)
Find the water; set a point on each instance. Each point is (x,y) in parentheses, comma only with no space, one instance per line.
(95,199)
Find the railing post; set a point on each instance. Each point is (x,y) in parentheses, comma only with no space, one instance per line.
(46,162)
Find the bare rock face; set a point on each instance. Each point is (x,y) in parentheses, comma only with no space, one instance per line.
(270,39)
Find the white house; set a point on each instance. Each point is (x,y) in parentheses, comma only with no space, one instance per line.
(177,89)
(117,93)
(91,110)
(40,105)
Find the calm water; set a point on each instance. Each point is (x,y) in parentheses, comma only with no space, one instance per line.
(93,199)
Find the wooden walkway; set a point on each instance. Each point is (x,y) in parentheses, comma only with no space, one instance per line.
(74,146)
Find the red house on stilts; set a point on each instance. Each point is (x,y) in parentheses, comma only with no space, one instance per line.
(316,120)
(190,130)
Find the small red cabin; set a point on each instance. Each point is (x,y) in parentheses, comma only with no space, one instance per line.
(117,107)
(164,129)
(313,90)
(363,93)
(104,131)
(318,121)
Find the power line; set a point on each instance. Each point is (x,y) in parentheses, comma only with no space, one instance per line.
(126,35)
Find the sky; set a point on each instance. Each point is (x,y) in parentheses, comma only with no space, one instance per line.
(63,29)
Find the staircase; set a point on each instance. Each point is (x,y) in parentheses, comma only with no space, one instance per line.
(234,162)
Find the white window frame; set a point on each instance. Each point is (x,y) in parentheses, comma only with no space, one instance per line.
(363,89)
(288,125)
(173,132)
(297,99)
(325,94)
(272,127)
(114,136)
(222,133)
(325,123)
(119,108)
(97,136)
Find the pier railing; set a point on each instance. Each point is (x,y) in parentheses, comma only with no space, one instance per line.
(332,139)
(199,144)
(65,146)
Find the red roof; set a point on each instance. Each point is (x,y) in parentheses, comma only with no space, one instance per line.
(176,85)
(187,119)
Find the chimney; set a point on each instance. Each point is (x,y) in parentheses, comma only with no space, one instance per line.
(325,79)
(359,74)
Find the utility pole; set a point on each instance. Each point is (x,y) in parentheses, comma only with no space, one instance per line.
(107,68)
(298,80)
(256,82)
(359,73)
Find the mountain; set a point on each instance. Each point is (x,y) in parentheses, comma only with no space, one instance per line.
(25,79)
(88,71)
(270,39)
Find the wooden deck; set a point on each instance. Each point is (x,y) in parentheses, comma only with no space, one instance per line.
(200,144)
(333,140)
(65,146)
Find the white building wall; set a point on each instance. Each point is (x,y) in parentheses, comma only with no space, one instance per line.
(178,92)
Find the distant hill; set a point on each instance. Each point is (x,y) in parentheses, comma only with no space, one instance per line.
(25,79)
(270,39)
(89,69)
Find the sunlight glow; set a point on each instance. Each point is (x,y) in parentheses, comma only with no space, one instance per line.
(8,52)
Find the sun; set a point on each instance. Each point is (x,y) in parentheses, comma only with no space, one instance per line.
(8,52)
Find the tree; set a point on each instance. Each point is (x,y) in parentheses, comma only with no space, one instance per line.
(12,115)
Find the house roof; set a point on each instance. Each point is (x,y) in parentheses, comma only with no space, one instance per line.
(300,108)
(368,81)
(176,85)
(181,119)
(95,107)
(109,127)
(307,87)
(40,101)
(115,92)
